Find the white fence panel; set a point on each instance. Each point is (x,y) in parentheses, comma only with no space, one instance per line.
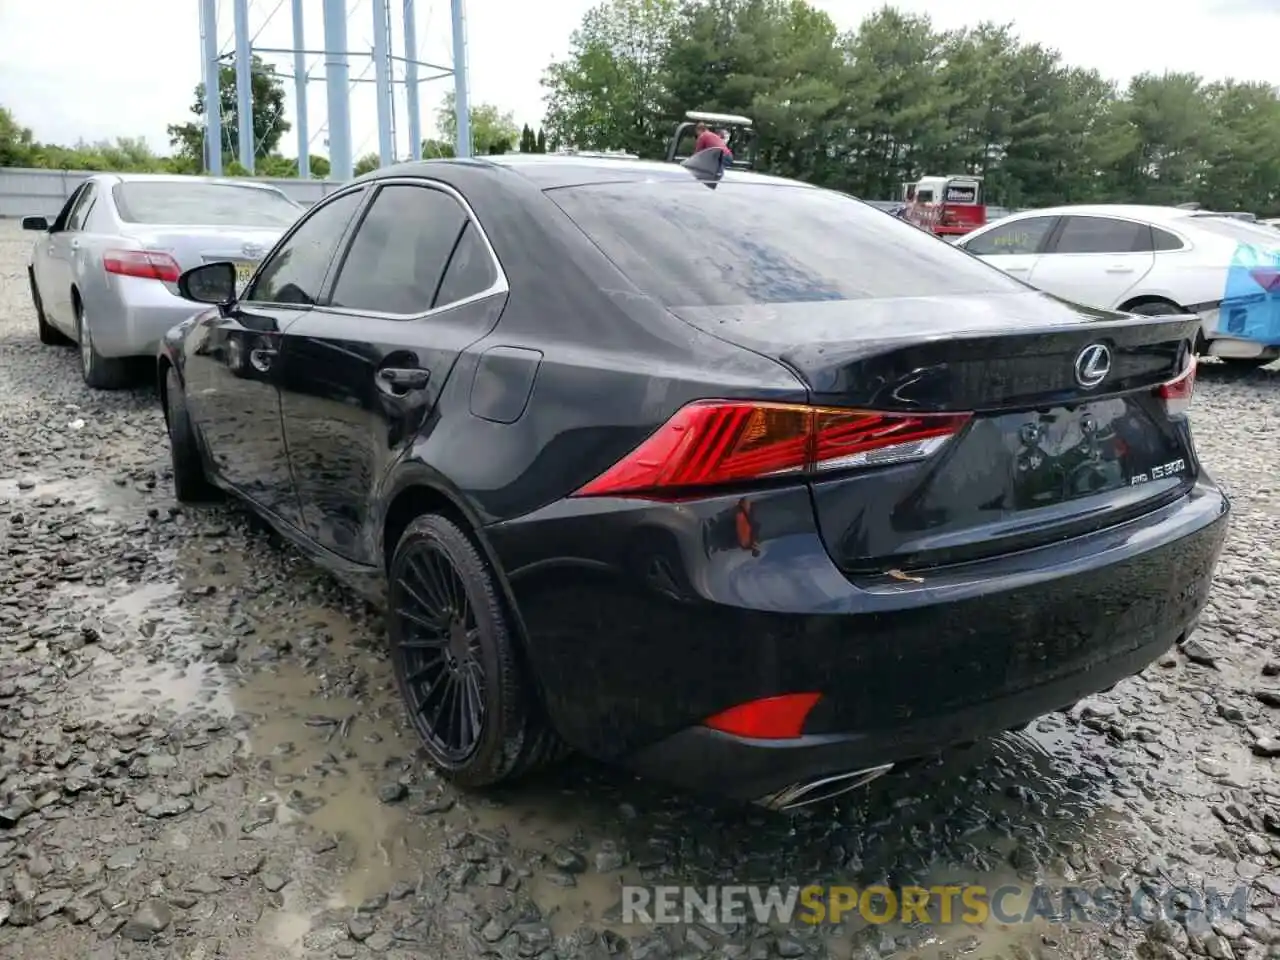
(28,193)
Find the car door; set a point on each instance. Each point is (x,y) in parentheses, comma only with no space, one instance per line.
(1095,260)
(362,372)
(230,364)
(1014,246)
(61,245)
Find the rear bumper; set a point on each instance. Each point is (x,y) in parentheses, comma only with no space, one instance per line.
(133,315)
(643,620)
(708,761)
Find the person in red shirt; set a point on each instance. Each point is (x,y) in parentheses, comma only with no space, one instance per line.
(708,139)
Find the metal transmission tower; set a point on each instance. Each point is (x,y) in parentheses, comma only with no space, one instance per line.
(336,54)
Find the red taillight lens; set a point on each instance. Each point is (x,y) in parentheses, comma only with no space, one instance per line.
(147,264)
(713,442)
(1268,278)
(1176,394)
(773,718)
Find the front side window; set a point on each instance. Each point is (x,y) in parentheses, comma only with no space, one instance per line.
(400,251)
(295,272)
(60,222)
(80,212)
(1020,237)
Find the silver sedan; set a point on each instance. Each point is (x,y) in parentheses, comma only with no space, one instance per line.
(104,274)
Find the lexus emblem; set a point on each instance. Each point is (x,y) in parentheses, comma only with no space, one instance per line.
(1093,363)
(252,250)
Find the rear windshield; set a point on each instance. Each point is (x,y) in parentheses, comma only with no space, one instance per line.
(744,243)
(1242,231)
(204,204)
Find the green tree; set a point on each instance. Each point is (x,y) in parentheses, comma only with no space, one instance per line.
(492,131)
(1242,157)
(541,143)
(269,124)
(528,141)
(780,62)
(16,142)
(366,164)
(610,92)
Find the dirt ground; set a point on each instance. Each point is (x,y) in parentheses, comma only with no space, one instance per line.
(201,755)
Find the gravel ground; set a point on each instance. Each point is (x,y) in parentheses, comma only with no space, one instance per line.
(201,756)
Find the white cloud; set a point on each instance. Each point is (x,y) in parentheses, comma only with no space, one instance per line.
(85,69)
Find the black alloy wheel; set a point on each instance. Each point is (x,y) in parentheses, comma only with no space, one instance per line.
(455,659)
(440,647)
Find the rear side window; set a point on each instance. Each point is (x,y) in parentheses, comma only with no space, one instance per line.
(197,203)
(1164,240)
(1102,235)
(744,243)
(1018,237)
(400,250)
(471,269)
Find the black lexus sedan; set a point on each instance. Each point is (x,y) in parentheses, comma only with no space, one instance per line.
(727,478)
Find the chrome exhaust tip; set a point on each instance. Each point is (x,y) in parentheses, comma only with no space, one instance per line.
(826,788)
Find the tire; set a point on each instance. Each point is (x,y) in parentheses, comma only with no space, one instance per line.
(1164,308)
(444,663)
(1158,308)
(1244,364)
(50,336)
(190,482)
(99,372)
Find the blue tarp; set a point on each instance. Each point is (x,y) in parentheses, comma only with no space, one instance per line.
(1249,310)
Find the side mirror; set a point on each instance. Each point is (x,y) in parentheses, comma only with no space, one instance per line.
(35,223)
(210,283)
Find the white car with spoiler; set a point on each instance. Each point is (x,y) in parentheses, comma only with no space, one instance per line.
(1151,260)
(104,273)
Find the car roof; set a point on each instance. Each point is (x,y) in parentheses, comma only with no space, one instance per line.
(550,170)
(1132,211)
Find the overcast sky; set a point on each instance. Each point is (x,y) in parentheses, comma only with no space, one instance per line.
(72,69)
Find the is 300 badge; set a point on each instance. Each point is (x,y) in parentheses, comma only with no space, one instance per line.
(1170,469)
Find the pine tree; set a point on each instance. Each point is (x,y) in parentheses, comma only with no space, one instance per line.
(540,144)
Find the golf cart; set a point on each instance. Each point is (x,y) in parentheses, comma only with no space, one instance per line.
(737,132)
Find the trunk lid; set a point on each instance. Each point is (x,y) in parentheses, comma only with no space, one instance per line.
(1043,456)
(191,246)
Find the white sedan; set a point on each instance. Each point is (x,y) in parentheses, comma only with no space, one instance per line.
(1151,260)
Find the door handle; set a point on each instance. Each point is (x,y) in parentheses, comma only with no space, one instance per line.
(75,244)
(1119,268)
(400,380)
(1016,269)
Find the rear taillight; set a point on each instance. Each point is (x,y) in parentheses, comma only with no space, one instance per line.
(714,442)
(1176,394)
(148,264)
(1268,278)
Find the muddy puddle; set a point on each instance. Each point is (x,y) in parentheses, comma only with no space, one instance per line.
(325,773)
